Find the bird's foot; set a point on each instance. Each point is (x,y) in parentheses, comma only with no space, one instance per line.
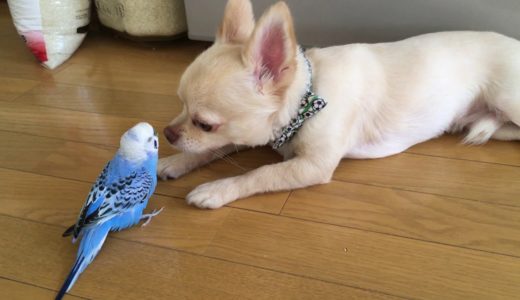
(149,216)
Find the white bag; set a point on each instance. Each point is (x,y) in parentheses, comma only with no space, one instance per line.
(52,29)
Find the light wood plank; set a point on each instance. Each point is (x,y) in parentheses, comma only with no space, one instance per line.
(507,153)
(60,158)
(44,257)
(13,46)
(158,82)
(18,291)
(24,152)
(148,106)
(26,68)
(145,67)
(58,201)
(11,88)
(147,57)
(373,261)
(447,177)
(458,222)
(269,202)
(144,106)
(5,18)
(65,124)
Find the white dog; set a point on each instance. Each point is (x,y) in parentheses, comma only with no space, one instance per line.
(252,86)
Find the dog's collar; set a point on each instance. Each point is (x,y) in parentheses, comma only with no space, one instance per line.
(310,104)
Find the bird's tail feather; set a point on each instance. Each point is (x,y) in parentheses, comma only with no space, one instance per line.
(70,279)
(89,247)
(69,231)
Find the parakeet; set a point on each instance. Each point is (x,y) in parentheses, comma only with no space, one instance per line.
(118,198)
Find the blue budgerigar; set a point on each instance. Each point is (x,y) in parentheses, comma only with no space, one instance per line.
(118,198)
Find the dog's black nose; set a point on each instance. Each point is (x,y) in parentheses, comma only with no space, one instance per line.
(171,134)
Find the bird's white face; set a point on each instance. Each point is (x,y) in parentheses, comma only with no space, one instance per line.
(152,143)
(139,141)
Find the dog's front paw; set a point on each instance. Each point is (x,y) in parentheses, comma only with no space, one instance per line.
(171,167)
(214,194)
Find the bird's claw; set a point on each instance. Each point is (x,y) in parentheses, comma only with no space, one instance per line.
(149,216)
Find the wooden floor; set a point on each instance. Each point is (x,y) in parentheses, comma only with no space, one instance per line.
(440,221)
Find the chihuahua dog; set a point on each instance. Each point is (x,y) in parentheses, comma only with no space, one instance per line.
(254,86)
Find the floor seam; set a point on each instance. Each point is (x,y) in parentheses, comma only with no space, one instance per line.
(222,259)
(40,287)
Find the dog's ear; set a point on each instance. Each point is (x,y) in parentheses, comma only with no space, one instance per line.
(271,50)
(238,22)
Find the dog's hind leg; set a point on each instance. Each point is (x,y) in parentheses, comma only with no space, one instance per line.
(510,129)
(502,119)
(508,132)
(481,130)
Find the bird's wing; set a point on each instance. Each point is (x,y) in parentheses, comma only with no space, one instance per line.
(94,199)
(121,196)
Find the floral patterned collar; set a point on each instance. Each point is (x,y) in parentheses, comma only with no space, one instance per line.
(310,104)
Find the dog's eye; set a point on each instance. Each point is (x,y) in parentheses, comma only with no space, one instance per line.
(204,126)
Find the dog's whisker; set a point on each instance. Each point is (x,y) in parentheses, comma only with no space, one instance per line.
(228,159)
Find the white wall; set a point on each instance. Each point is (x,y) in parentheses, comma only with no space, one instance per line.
(328,22)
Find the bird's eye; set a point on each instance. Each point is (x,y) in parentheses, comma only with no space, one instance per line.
(204,126)
(155,144)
